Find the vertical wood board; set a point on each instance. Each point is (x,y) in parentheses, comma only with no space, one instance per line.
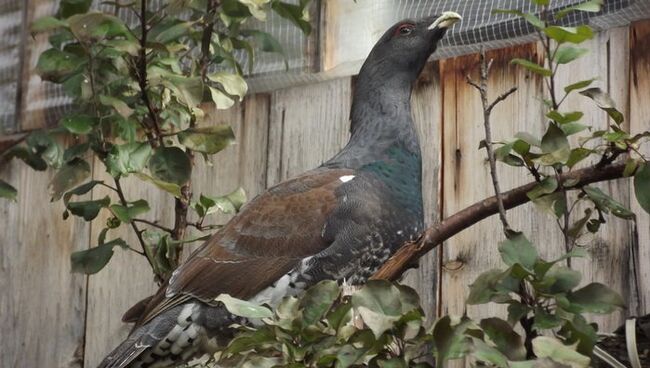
(639,122)
(42,304)
(609,249)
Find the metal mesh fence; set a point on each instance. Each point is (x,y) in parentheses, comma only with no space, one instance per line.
(479,27)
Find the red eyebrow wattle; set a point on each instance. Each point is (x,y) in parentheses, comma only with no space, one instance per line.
(403,26)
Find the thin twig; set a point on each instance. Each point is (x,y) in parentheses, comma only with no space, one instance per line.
(482,87)
(154,224)
(138,233)
(142,79)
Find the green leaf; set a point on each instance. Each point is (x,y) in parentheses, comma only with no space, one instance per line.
(228,204)
(94,259)
(518,250)
(572,128)
(503,154)
(533,67)
(561,279)
(244,308)
(549,347)
(220,99)
(529,138)
(450,340)
(606,203)
(131,47)
(605,102)
(543,320)
(546,186)
(577,227)
(577,155)
(592,6)
(120,106)
(208,140)
(564,118)
(555,145)
(174,32)
(483,288)
(25,154)
(72,7)
(78,124)
(504,337)
(88,209)
(171,188)
(127,213)
(70,175)
(596,298)
(7,191)
(48,23)
(578,85)
(128,158)
(576,329)
(576,35)
(80,190)
(56,66)
(171,164)
(189,90)
(516,311)
(94,27)
(642,186)
(486,353)
(317,300)
(75,151)
(567,54)
(233,84)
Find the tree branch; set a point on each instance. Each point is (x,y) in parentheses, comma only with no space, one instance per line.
(471,215)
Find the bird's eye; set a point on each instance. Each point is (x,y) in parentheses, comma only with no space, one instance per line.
(404,30)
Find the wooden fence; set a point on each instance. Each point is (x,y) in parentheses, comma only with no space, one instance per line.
(53,318)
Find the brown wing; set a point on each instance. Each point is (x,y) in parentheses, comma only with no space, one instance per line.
(259,245)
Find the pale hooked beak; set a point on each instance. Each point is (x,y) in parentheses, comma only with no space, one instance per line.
(446,20)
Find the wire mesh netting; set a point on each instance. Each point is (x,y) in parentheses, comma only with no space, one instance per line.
(480,27)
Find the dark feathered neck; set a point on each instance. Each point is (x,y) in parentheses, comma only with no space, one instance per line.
(380,118)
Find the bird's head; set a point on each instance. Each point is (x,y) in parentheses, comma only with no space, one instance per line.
(407,45)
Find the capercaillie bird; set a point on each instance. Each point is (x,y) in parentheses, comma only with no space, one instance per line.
(340,221)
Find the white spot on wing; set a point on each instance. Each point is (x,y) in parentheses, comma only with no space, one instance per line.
(346,178)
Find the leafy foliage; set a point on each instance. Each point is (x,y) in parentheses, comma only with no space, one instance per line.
(140,93)
(380,325)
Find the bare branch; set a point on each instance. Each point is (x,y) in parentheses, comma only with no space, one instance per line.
(482,87)
(154,224)
(502,97)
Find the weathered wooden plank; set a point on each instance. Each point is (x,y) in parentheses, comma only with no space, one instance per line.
(12,34)
(350,29)
(427,113)
(127,278)
(308,125)
(466,171)
(609,249)
(41,102)
(639,122)
(244,163)
(42,304)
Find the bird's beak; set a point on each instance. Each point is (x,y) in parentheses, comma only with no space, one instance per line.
(446,20)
